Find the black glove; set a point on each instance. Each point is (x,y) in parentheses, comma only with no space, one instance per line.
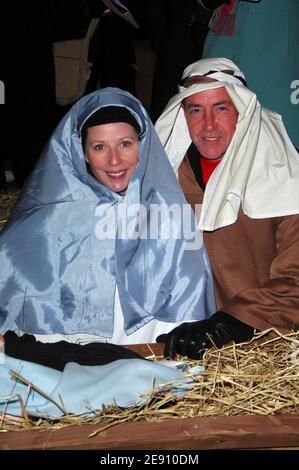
(189,339)
(213,4)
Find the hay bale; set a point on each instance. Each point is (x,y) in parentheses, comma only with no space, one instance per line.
(7,203)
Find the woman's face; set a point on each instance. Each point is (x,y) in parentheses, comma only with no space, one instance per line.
(112,153)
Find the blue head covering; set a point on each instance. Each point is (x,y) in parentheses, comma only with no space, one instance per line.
(70,240)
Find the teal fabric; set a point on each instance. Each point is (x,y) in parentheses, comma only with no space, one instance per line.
(58,275)
(82,389)
(265,47)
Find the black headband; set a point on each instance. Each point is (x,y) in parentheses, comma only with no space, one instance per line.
(108,115)
(241,79)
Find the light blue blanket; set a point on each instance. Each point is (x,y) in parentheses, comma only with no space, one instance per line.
(80,389)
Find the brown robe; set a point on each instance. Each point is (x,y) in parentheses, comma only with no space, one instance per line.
(255,263)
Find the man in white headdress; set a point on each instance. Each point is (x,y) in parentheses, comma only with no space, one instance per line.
(235,160)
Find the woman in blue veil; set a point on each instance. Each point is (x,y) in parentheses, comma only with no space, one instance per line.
(86,259)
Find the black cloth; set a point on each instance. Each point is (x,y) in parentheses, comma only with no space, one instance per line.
(57,355)
(193,156)
(112,55)
(213,4)
(177,31)
(27,69)
(191,339)
(2,177)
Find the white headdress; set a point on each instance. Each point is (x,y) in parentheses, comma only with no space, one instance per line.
(260,168)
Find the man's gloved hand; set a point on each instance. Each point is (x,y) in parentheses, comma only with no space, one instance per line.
(213,4)
(189,339)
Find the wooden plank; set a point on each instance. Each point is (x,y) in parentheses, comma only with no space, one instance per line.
(147,350)
(236,432)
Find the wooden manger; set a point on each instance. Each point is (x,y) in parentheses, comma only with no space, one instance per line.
(247,398)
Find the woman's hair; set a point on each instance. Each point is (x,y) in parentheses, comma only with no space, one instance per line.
(108,115)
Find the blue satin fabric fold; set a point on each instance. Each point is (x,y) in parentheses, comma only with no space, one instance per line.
(59,276)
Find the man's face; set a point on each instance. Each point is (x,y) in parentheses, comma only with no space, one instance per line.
(211,118)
